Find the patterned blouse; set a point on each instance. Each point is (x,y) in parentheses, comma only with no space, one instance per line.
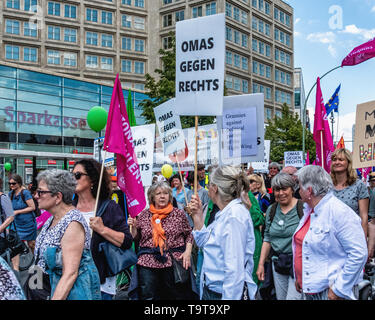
(10,288)
(52,237)
(177,231)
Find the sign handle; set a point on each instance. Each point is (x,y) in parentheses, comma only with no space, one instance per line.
(182,181)
(100,182)
(196,157)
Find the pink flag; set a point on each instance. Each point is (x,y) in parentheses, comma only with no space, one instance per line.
(307,162)
(119,139)
(322,133)
(365,173)
(360,54)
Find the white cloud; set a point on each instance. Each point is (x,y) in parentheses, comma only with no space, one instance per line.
(322,37)
(366,34)
(297,33)
(297,20)
(332,51)
(373,9)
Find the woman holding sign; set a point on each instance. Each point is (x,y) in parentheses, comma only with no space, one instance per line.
(228,243)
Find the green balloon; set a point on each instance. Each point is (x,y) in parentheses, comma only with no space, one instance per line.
(7,166)
(97,118)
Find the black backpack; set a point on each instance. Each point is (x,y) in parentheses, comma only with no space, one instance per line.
(36,211)
(299,210)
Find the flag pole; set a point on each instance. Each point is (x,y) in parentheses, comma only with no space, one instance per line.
(196,157)
(321,147)
(100,181)
(183,187)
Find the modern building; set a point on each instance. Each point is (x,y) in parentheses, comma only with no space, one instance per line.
(97,39)
(299,92)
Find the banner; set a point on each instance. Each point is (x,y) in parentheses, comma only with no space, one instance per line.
(262,166)
(200,61)
(169,127)
(294,159)
(364,139)
(208,149)
(242,129)
(144,138)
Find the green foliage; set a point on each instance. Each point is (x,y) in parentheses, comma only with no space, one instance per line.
(285,134)
(163,89)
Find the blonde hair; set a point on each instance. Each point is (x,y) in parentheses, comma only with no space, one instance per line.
(351,174)
(259,179)
(230,181)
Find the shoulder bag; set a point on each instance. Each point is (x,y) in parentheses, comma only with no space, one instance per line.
(117,258)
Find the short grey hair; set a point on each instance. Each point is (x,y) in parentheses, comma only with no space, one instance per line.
(152,190)
(316,178)
(283,180)
(58,180)
(274,165)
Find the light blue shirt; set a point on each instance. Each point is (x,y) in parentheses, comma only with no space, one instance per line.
(228,247)
(334,250)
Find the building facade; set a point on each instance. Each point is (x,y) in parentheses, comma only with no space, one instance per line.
(97,39)
(299,92)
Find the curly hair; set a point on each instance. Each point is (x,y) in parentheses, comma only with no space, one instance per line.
(93,168)
(351,174)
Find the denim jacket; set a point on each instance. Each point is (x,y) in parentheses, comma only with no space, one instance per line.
(87,284)
(334,250)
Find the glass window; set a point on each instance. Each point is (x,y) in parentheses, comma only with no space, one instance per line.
(139,23)
(244,18)
(126,21)
(107,40)
(127,2)
(91,15)
(228,33)
(261,26)
(228,57)
(53,57)
(30,54)
(254,44)
(245,86)
(70,59)
(53,33)
(30,29)
(236,14)
(236,37)
(139,86)
(261,5)
(167,43)
(261,69)
(268,114)
(70,35)
(237,84)
(126,43)
(267,8)
(268,29)
(268,50)
(237,60)
(255,67)
(91,38)
(268,72)
(139,45)
(13,4)
(244,40)
(229,82)
(180,15)
(106,17)
(261,47)
(12,27)
(139,67)
(245,63)
(228,9)
(210,8)
(167,1)
(54,8)
(12,52)
(197,12)
(31,5)
(126,66)
(139,3)
(91,61)
(70,11)
(254,3)
(167,20)
(106,63)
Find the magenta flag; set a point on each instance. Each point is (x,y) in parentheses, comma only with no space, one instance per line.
(322,133)
(307,162)
(119,139)
(360,54)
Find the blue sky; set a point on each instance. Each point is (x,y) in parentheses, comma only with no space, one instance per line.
(325,32)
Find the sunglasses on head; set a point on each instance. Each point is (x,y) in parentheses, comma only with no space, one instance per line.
(78,175)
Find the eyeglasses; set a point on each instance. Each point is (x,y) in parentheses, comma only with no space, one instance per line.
(12,183)
(78,175)
(40,192)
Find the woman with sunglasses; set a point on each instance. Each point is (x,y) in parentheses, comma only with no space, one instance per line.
(24,216)
(111,226)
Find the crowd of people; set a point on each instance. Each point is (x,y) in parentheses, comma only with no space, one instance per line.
(287,234)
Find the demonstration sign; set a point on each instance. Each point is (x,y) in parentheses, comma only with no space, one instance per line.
(200,60)
(242,139)
(294,158)
(169,126)
(262,166)
(143,139)
(208,149)
(364,138)
(99,153)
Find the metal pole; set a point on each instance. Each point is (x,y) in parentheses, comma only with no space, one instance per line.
(304,112)
(332,122)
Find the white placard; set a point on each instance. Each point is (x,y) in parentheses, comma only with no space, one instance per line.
(244,114)
(99,153)
(200,61)
(293,158)
(169,127)
(143,139)
(262,166)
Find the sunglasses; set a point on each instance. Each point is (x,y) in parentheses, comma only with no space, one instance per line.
(12,183)
(40,192)
(78,175)
(252,181)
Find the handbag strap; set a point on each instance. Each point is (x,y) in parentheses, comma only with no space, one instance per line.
(102,208)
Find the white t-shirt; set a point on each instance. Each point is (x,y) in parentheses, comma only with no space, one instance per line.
(109,286)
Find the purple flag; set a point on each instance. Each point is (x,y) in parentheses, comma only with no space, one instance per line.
(322,133)
(119,139)
(360,54)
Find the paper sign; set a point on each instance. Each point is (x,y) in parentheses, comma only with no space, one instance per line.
(262,166)
(200,61)
(169,127)
(294,159)
(99,153)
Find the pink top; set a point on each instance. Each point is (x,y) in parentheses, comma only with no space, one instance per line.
(177,230)
(298,239)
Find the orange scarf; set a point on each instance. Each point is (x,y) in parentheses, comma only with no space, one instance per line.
(158,233)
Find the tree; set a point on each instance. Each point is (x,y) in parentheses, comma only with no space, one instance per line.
(160,91)
(285,134)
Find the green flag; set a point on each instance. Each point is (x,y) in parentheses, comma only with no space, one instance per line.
(130,111)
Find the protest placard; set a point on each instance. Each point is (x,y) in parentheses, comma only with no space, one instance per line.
(364,139)
(200,60)
(98,153)
(294,158)
(262,166)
